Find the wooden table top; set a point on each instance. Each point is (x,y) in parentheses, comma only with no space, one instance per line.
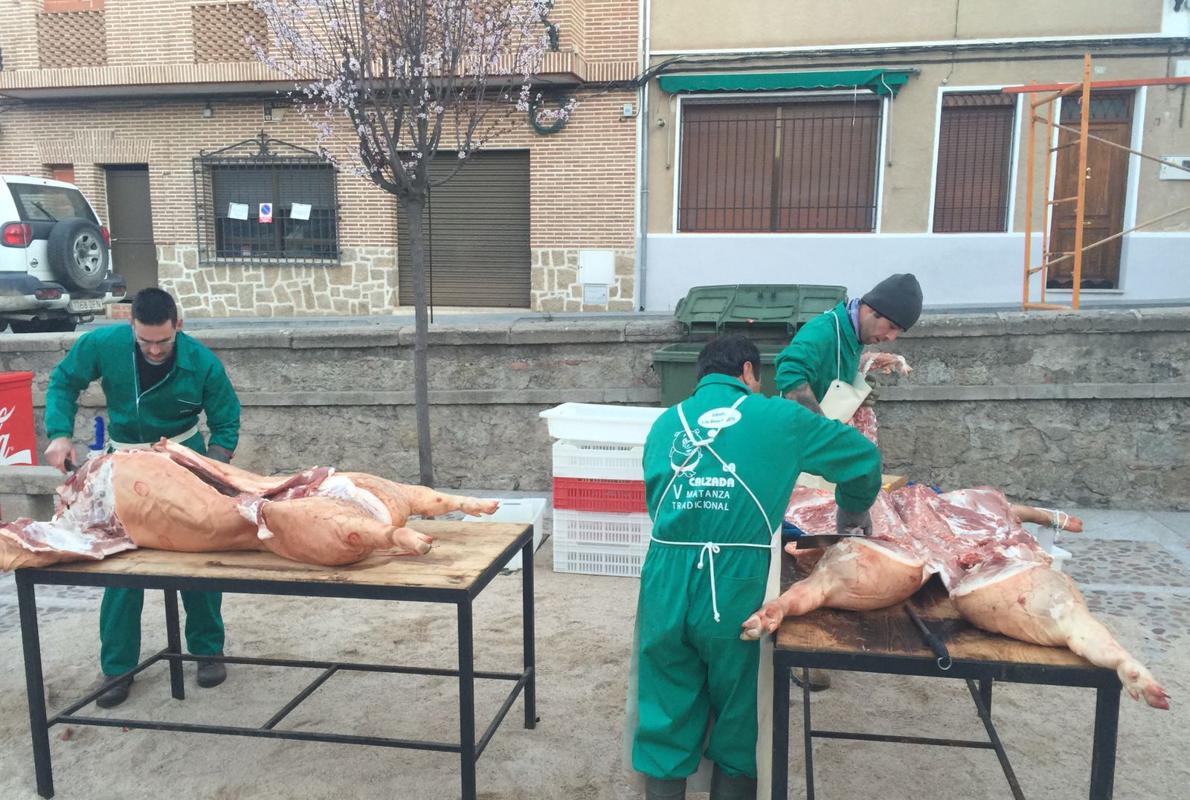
(891,632)
(462,552)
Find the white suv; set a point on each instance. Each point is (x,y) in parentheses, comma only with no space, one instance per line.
(55,258)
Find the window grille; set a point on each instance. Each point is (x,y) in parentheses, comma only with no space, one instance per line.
(791,165)
(974,162)
(299,186)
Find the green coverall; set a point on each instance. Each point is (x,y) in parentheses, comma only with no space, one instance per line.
(815,355)
(196,383)
(691,668)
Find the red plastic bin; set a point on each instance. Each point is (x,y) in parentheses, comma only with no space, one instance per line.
(17,442)
(597,494)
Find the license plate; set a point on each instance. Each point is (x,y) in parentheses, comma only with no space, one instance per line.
(84,305)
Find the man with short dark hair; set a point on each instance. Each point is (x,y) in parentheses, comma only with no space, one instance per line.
(157,380)
(719,469)
(827,348)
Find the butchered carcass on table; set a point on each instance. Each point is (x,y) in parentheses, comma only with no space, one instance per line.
(171,498)
(997,575)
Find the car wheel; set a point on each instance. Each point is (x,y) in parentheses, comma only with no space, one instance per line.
(78,254)
(65,325)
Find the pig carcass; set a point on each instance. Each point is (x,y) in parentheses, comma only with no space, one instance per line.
(171,498)
(998,577)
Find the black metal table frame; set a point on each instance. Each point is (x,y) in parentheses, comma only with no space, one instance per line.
(979,676)
(469,748)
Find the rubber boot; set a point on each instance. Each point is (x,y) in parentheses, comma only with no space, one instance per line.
(731,787)
(657,789)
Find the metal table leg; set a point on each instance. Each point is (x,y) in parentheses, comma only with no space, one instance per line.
(985,693)
(530,656)
(780,765)
(807,733)
(1103,752)
(173,640)
(35,685)
(467,699)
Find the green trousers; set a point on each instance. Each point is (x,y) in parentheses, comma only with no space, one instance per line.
(119,627)
(693,671)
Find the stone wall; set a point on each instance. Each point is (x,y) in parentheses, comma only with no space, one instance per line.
(1073,409)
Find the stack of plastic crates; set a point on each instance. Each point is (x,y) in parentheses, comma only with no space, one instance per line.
(601,526)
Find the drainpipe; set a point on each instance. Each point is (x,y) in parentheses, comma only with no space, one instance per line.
(642,165)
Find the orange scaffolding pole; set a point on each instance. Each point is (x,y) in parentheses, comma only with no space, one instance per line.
(1050,117)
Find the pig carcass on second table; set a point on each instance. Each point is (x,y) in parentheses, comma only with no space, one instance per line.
(998,577)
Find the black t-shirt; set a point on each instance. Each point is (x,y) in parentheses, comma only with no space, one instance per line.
(149,375)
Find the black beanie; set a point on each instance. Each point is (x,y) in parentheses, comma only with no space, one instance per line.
(897,298)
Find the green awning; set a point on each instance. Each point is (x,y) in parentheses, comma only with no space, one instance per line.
(881,81)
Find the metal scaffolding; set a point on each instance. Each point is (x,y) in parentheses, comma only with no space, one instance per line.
(1049,116)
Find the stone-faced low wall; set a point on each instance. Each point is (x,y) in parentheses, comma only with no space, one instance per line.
(1084,409)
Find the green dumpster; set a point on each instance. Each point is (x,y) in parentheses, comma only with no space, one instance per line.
(771,312)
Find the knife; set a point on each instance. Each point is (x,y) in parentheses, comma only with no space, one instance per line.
(809,541)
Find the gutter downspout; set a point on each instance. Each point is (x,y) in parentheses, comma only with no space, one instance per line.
(642,165)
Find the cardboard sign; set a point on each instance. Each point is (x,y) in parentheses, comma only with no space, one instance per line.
(237,211)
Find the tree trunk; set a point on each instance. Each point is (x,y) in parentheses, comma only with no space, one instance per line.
(412,210)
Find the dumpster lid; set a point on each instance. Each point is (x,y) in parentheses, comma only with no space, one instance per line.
(711,309)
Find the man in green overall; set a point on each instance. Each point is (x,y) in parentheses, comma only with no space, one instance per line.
(719,469)
(827,348)
(156,380)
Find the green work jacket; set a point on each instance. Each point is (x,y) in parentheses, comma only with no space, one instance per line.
(197,383)
(772,443)
(816,355)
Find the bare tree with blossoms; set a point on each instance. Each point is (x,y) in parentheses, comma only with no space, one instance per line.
(388,83)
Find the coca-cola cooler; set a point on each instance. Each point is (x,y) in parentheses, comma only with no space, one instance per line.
(17,442)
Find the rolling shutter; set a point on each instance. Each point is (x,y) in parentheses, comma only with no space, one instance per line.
(477,227)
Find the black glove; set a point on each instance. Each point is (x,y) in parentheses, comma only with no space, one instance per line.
(219,453)
(846,521)
(873,395)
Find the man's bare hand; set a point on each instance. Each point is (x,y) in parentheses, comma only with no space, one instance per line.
(59,451)
(804,395)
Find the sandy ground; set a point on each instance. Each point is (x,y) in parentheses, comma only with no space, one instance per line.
(1138,583)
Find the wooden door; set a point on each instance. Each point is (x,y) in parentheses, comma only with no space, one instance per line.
(130,219)
(1107,176)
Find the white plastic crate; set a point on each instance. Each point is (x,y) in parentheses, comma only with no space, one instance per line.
(518,509)
(605,460)
(591,559)
(590,422)
(602,528)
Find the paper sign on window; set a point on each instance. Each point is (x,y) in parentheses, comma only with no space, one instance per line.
(299,211)
(266,212)
(237,210)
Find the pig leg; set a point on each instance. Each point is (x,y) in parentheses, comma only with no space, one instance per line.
(1048,518)
(854,575)
(430,503)
(1043,606)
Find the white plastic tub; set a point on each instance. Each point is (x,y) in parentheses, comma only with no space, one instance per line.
(589,422)
(520,509)
(604,460)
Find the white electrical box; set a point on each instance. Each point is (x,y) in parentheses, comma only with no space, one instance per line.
(597,266)
(1169,173)
(594,294)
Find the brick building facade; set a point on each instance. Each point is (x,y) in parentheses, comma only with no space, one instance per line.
(92,90)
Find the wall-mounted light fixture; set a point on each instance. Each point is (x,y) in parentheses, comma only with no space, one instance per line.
(268,111)
(207,111)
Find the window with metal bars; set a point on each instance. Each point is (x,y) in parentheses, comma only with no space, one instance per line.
(790,165)
(974,162)
(298,186)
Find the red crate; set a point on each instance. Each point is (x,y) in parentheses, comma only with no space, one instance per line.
(595,494)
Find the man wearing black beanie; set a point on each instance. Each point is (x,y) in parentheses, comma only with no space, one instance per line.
(828,347)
